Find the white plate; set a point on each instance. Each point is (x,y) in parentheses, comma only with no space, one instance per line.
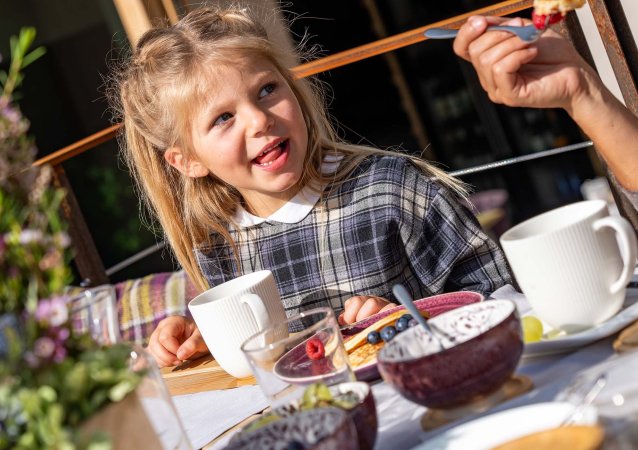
(489,431)
(565,343)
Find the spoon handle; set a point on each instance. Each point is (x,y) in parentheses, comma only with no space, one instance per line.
(402,294)
(440,33)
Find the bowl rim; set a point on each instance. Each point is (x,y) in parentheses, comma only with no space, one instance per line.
(380,355)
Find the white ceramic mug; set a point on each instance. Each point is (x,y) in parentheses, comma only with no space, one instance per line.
(573,263)
(228,314)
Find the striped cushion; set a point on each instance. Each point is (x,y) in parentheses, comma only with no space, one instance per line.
(143,302)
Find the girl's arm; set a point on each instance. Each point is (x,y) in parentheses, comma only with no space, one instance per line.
(551,74)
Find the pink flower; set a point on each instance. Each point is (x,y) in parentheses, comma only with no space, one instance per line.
(53,311)
(60,354)
(63,335)
(62,239)
(29,236)
(31,360)
(44,347)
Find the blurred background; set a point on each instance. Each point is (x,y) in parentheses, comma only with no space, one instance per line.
(421,99)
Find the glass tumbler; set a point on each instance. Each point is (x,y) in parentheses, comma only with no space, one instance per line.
(157,403)
(284,362)
(94,311)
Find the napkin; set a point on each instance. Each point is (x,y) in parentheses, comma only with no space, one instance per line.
(510,293)
(206,415)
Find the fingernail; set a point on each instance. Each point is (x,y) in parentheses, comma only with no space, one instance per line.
(476,22)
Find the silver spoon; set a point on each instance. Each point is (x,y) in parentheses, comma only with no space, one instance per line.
(586,400)
(528,33)
(402,294)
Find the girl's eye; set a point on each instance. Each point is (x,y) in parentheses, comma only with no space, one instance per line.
(267,90)
(223,118)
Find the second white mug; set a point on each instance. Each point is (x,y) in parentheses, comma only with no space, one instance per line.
(573,263)
(229,313)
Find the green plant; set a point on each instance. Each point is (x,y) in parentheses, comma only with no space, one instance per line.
(52,378)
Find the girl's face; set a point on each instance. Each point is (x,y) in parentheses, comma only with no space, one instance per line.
(251,134)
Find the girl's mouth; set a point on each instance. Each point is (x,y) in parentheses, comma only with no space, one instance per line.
(272,154)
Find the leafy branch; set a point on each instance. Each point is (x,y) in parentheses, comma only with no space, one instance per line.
(19,60)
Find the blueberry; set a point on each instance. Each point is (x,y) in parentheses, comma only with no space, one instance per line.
(406,316)
(402,324)
(412,323)
(295,445)
(374,337)
(388,333)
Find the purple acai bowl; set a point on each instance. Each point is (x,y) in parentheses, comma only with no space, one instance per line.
(482,345)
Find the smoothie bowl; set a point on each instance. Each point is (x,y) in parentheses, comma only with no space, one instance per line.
(353,398)
(476,349)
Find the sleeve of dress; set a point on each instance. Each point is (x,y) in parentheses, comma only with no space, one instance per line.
(444,242)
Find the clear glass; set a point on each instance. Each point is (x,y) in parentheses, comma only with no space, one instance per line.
(284,361)
(94,311)
(157,403)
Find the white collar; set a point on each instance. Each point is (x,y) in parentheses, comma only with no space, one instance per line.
(297,208)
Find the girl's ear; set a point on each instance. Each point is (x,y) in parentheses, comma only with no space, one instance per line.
(189,167)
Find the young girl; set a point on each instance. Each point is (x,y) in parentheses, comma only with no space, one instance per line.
(242,168)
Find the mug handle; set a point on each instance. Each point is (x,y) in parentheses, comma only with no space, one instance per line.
(627,241)
(258,308)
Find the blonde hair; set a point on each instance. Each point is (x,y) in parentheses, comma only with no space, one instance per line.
(157,95)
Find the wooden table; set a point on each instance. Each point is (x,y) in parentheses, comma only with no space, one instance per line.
(203,374)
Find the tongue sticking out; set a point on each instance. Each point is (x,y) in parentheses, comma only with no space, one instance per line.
(269,156)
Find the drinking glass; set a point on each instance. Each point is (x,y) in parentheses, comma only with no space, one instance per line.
(94,311)
(156,402)
(285,362)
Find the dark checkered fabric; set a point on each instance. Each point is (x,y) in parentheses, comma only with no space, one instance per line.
(389,223)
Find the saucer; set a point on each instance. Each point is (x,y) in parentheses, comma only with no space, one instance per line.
(568,342)
(489,431)
(515,386)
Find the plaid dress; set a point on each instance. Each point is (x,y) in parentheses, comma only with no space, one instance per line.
(389,223)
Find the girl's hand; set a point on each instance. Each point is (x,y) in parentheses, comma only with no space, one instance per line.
(361,306)
(545,74)
(176,339)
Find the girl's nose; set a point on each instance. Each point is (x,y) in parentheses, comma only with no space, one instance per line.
(260,121)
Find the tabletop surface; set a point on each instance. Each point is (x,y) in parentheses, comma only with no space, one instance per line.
(400,419)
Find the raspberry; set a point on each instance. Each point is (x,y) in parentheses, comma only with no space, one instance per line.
(539,19)
(315,349)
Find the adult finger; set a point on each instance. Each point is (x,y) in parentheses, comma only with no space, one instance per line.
(508,87)
(487,62)
(470,31)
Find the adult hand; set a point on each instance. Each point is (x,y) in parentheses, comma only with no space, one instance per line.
(546,74)
(176,339)
(361,306)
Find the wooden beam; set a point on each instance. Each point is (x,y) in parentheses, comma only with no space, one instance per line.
(58,157)
(403,39)
(87,258)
